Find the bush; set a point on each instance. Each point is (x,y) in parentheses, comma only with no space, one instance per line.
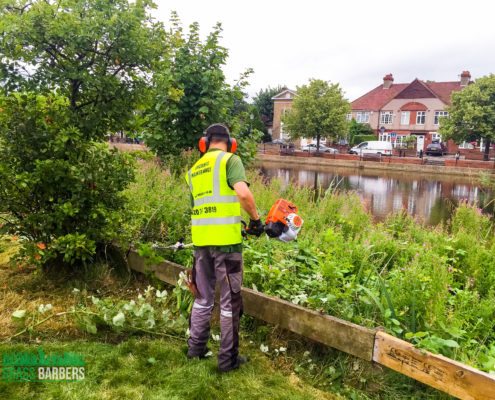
(61,191)
(362,138)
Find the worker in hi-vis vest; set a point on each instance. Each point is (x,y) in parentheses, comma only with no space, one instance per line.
(219,189)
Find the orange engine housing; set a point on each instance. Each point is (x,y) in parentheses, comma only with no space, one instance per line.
(277,221)
(280,211)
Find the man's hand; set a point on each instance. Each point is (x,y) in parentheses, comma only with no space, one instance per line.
(255,227)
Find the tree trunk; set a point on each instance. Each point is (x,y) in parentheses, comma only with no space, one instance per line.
(317,143)
(486,156)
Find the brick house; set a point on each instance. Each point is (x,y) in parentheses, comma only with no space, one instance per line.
(282,102)
(404,109)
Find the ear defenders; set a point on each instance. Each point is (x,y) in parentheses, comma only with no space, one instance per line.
(204,142)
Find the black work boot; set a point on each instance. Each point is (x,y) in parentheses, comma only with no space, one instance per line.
(238,362)
(200,356)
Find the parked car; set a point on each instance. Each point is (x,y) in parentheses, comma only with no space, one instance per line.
(373,147)
(436,149)
(323,149)
(277,141)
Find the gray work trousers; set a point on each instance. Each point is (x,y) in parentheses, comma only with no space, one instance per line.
(226,269)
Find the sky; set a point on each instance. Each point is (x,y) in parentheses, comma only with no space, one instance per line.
(354,43)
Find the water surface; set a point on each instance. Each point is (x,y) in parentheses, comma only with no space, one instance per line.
(430,197)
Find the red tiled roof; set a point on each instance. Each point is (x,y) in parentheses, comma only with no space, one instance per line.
(444,89)
(378,97)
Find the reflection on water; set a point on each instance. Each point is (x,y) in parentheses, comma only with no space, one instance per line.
(431,197)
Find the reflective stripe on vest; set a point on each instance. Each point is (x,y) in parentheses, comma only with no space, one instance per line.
(216,216)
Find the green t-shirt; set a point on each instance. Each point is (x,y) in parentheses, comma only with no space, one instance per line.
(235,173)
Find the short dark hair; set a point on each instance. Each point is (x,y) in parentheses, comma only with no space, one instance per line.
(219,139)
(218,133)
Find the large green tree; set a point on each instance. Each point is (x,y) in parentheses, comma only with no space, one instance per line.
(319,110)
(472,114)
(99,54)
(191,93)
(264,103)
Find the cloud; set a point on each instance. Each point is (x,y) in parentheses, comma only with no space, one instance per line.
(355,44)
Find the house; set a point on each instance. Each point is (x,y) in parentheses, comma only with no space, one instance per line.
(394,110)
(282,103)
(398,110)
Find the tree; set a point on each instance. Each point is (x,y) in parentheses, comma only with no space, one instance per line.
(357,128)
(264,103)
(73,71)
(98,54)
(191,93)
(472,114)
(319,110)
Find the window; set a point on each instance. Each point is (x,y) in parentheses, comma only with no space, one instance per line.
(283,135)
(363,117)
(420,117)
(440,114)
(466,145)
(436,137)
(363,145)
(398,141)
(405,118)
(348,117)
(386,117)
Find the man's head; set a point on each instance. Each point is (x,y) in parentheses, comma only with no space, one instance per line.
(217,136)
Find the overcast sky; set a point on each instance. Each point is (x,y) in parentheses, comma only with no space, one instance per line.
(354,43)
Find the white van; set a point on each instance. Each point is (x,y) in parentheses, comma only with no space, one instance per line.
(373,147)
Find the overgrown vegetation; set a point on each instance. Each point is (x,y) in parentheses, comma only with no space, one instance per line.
(431,286)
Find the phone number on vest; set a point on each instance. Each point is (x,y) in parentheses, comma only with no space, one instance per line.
(205,210)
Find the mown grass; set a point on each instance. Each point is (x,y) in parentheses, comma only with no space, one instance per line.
(123,372)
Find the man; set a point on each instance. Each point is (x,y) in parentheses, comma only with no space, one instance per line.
(219,189)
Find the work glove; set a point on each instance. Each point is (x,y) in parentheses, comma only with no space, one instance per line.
(255,227)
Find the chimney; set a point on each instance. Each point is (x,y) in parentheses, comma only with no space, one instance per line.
(465,78)
(387,81)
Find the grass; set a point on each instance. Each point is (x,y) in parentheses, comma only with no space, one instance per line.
(123,372)
(117,367)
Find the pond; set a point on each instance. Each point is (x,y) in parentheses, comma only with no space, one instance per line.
(430,197)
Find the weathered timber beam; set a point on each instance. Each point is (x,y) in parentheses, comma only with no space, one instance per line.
(437,371)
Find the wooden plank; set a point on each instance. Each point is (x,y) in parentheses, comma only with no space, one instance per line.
(331,331)
(334,332)
(435,370)
(166,271)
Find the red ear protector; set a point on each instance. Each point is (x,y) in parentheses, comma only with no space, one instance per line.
(204,142)
(232,146)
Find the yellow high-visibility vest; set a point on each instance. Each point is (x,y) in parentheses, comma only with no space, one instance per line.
(216,216)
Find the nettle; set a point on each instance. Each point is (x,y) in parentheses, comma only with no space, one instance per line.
(61,192)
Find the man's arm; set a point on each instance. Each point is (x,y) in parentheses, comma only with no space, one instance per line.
(246,199)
